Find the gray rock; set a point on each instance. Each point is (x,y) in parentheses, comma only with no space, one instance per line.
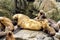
(33,35)
(48,38)
(2,34)
(57,35)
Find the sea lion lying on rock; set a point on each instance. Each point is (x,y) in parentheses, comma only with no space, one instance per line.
(25,22)
(6,24)
(52,23)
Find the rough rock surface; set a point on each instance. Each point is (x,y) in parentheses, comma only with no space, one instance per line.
(58,35)
(33,35)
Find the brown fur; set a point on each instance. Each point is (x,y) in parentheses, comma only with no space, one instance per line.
(27,23)
(42,16)
(46,26)
(10,36)
(7,23)
(53,24)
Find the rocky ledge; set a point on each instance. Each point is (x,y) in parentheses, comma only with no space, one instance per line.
(34,35)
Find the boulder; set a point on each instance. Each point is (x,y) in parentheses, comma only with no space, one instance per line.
(33,35)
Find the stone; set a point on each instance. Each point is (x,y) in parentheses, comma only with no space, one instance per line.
(33,35)
(57,35)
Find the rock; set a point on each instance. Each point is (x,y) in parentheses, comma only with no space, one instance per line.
(2,34)
(58,23)
(53,24)
(56,38)
(57,35)
(33,35)
(48,38)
